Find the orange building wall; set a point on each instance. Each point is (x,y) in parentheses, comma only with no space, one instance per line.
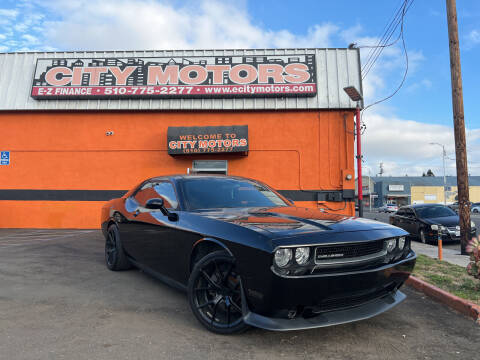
(289,150)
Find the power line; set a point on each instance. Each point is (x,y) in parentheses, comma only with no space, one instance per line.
(374,48)
(406,61)
(382,43)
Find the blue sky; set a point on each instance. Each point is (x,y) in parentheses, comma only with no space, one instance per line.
(398,131)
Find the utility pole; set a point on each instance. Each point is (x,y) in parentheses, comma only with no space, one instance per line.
(444,155)
(459,126)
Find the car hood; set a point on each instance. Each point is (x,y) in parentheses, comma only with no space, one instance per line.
(448,221)
(291,221)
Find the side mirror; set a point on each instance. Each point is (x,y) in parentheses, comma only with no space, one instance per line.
(158,204)
(155,204)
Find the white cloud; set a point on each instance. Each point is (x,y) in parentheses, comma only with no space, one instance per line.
(8,13)
(473,38)
(424,84)
(129,24)
(404,145)
(30,39)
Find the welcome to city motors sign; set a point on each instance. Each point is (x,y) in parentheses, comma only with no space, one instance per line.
(163,77)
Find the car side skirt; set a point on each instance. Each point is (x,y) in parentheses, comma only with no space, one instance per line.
(335,317)
(165,279)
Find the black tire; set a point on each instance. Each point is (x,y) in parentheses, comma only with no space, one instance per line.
(115,257)
(214,294)
(475,210)
(422,237)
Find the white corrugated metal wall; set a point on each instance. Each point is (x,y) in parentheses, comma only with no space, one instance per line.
(336,69)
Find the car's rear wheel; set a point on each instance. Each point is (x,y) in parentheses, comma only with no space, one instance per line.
(475,210)
(214,294)
(115,257)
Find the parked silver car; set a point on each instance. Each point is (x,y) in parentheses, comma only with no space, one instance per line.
(388,208)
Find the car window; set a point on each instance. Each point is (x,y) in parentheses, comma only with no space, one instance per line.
(215,193)
(435,211)
(162,190)
(409,213)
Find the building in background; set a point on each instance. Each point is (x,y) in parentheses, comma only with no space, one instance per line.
(80,128)
(407,190)
(368,188)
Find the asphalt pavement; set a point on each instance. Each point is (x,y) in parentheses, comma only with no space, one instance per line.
(58,301)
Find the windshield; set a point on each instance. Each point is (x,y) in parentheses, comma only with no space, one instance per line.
(435,211)
(214,193)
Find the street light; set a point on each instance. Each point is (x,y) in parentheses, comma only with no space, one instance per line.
(354,95)
(444,176)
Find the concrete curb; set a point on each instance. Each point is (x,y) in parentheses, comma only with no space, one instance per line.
(461,305)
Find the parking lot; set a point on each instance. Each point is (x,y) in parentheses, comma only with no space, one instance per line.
(58,301)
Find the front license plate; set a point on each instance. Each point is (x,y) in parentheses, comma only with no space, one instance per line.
(457,233)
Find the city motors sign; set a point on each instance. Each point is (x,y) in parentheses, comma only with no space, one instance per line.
(206,76)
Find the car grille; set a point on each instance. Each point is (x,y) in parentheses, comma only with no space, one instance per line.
(348,251)
(351,301)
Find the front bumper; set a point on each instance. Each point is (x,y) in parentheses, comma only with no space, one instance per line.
(330,318)
(325,299)
(448,236)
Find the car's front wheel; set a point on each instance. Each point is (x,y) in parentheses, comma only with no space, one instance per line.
(423,237)
(115,257)
(214,294)
(475,210)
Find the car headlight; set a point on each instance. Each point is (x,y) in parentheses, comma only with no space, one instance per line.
(401,242)
(283,257)
(391,244)
(302,254)
(434,227)
(472,224)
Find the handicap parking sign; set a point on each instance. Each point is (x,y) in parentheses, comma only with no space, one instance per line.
(5,158)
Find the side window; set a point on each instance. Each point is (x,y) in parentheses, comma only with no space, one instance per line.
(162,190)
(166,191)
(146,192)
(409,213)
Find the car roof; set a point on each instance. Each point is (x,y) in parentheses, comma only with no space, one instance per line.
(419,206)
(177,177)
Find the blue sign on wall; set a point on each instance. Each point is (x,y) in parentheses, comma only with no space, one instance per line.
(5,158)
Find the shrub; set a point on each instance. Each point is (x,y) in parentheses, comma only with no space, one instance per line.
(473,248)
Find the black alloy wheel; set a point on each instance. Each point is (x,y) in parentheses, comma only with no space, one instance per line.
(214,294)
(115,257)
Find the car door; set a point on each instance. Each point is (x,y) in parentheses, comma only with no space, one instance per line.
(397,218)
(162,245)
(411,222)
(145,230)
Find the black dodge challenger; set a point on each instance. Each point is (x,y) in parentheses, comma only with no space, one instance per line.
(248,257)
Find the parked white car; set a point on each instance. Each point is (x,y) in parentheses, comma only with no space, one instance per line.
(388,208)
